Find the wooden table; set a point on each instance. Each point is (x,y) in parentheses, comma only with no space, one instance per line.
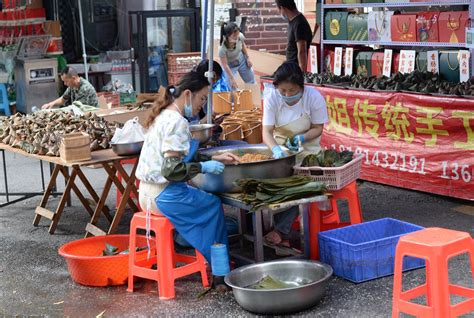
(232,199)
(95,206)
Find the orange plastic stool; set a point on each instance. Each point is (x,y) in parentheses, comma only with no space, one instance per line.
(436,246)
(165,257)
(328,220)
(137,183)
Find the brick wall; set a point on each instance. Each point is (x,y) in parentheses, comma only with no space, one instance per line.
(265,29)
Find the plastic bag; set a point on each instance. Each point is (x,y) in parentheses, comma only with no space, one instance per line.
(132,131)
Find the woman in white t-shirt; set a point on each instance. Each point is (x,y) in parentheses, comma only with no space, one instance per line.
(234,56)
(293,111)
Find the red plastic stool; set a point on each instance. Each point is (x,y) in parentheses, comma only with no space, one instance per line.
(437,246)
(137,183)
(165,257)
(327,220)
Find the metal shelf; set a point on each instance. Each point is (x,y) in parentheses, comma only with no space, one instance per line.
(397,5)
(420,44)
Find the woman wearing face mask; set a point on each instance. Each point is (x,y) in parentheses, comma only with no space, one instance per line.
(169,159)
(234,56)
(296,112)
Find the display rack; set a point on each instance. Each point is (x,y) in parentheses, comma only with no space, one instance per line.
(446,3)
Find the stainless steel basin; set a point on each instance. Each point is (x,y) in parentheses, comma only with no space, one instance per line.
(125,149)
(201,132)
(273,168)
(309,279)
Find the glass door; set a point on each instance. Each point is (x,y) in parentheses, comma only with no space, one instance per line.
(159,32)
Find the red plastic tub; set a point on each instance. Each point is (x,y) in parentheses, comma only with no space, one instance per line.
(88,267)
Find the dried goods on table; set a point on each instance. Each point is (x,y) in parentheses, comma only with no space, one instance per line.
(40,133)
(327,158)
(260,192)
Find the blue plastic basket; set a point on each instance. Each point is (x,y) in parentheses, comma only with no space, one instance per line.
(366,251)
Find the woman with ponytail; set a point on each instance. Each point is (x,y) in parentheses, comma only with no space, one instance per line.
(169,158)
(234,55)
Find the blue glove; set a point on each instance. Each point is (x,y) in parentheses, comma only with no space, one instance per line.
(212,166)
(298,139)
(277,152)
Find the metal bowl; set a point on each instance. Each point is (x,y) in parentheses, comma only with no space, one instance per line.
(309,279)
(201,132)
(224,182)
(127,149)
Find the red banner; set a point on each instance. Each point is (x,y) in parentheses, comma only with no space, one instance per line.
(411,141)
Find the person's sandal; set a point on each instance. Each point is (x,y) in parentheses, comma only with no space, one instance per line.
(219,285)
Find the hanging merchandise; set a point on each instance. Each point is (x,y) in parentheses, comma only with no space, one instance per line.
(427,26)
(449,65)
(364,63)
(403,28)
(377,63)
(452,26)
(421,61)
(336,26)
(357,27)
(379,25)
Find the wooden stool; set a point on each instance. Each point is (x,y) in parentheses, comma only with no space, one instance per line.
(437,246)
(327,220)
(165,257)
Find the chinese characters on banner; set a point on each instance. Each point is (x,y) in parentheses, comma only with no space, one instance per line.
(464,65)
(313,51)
(407,61)
(423,143)
(387,62)
(433,62)
(349,59)
(338,61)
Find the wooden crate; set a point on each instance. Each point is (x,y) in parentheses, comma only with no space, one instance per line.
(75,147)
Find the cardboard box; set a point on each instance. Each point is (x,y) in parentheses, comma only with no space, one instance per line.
(53,28)
(122,114)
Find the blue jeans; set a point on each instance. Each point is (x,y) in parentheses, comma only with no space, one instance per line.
(241,67)
(284,220)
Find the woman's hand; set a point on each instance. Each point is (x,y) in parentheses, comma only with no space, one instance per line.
(233,84)
(227,158)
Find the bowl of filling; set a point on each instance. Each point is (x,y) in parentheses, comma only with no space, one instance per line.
(256,162)
(279,287)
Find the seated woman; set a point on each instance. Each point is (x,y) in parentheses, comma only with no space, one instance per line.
(169,159)
(293,111)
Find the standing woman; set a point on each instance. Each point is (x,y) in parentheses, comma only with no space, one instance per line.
(169,159)
(234,56)
(296,112)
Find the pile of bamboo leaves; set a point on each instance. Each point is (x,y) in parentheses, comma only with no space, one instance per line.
(261,192)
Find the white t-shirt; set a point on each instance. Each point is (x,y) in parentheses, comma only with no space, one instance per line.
(277,113)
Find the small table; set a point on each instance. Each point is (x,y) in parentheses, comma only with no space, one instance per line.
(232,199)
(105,159)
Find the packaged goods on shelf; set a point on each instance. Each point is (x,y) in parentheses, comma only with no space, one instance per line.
(357,27)
(403,27)
(363,63)
(421,61)
(452,26)
(379,26)
(377,63)
(336,25)
(427,26)
(449,65)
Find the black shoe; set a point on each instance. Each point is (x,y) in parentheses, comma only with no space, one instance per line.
(219,285)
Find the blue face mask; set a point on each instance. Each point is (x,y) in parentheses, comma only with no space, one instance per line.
(292,99)
(188,110)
